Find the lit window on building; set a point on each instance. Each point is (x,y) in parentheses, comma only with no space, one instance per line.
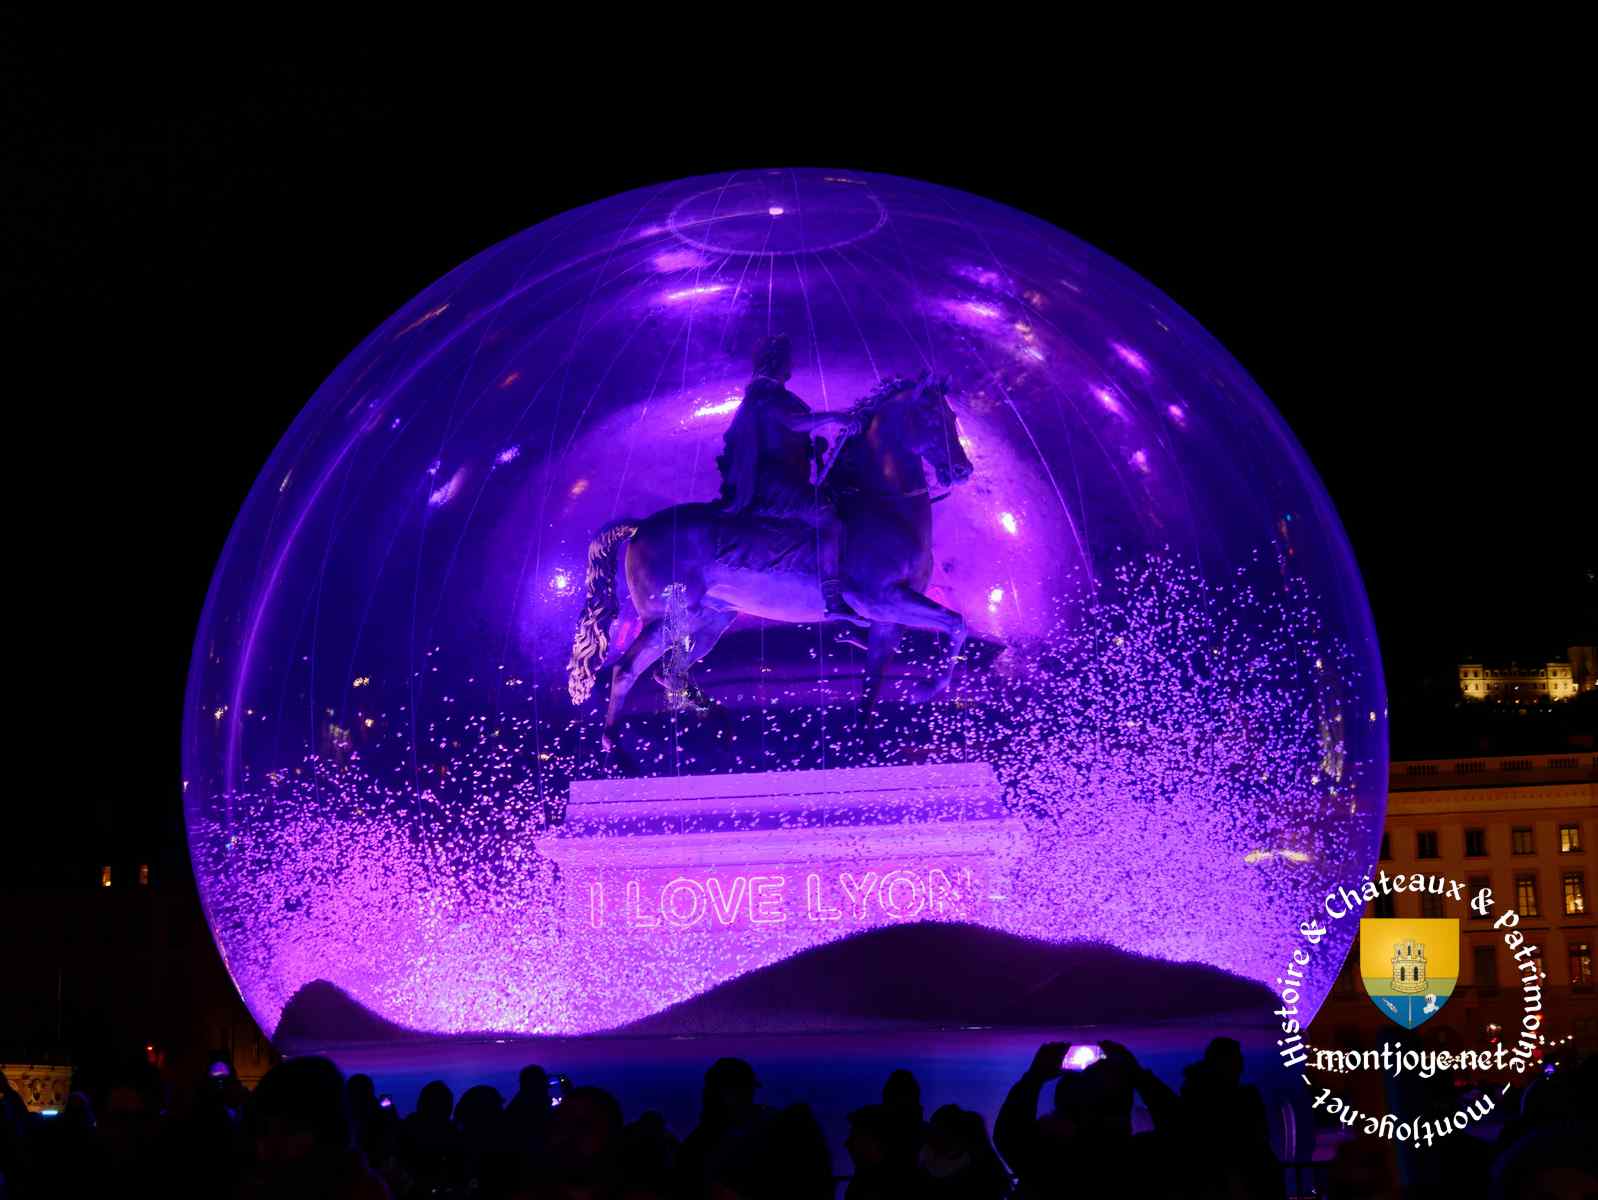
(1475,843)
(1526,895)
(1474,885)
(144,874)
(1431,906)
(1387,846)
(1484,959)
(105,876)
(1520,840)
(1426,844)
(1569,839)
(1382,906)
(1581,964)
(1575,894)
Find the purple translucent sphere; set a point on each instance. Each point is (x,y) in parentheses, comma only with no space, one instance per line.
(1165,730)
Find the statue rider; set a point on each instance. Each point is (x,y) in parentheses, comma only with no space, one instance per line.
(766,464)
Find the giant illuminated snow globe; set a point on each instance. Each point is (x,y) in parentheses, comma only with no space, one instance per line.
(734,572)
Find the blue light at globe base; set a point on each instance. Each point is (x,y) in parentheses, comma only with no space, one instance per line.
(1168,713)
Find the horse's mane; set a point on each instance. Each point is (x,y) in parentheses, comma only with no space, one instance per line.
(863,410)
(873,400)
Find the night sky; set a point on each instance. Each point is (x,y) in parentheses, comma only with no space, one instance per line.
(1398,279)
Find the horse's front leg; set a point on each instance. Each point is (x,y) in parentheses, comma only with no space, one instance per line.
(904,606)
(647,647)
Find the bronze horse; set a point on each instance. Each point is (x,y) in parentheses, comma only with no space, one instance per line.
(692,568)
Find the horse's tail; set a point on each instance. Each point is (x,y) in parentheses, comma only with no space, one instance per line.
(591,642)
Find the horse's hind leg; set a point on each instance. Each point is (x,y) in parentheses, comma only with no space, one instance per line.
(647,647)
(881,642)
(705,628)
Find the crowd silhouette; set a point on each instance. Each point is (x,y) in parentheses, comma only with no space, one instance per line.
(307,1132)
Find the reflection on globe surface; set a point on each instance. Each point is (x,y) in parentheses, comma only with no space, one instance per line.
(1164,731)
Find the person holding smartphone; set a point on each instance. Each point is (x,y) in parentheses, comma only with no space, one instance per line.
(1085,1146)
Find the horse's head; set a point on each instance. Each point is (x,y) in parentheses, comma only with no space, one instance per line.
(930,429)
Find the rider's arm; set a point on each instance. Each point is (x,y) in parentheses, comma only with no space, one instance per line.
(809,422)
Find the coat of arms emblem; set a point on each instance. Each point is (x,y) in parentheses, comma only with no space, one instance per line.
(1409,966)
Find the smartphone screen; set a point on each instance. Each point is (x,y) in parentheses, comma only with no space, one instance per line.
(1080,1058)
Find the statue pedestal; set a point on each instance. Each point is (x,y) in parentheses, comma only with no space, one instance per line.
(799,857)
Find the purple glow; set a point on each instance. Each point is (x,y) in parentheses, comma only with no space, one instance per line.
(719,409)
(386,786)
(1131,357)
(449,491)
(690,293)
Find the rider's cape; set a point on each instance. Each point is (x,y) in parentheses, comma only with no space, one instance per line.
(765,466)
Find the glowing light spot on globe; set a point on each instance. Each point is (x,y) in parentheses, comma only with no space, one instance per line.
(720,408)
(691,293)
(1131,357)
(517,501)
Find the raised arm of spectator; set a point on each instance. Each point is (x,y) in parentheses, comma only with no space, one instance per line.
(1165,1107)
(1015,1130)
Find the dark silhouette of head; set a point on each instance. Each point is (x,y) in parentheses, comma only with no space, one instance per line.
(871,1137)
(730,1086)
(1096,1102)
(300,1112)
(533,1083)
(436,1102)
(78,1114)
(478,1110)
(773,358)
(902,1091)
(1224,1057)
(587,1126)
(948,1132)
(362,1093)
(793,1161)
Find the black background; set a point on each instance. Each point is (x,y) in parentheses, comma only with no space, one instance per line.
(1402,269)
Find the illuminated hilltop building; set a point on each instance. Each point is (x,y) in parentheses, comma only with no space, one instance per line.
(1553,680)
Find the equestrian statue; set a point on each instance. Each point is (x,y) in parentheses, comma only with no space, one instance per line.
(802,532)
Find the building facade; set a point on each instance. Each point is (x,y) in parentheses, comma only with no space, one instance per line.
(1525,828)
(1522,684)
